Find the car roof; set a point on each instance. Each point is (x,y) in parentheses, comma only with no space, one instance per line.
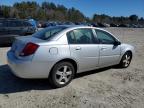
(72,27)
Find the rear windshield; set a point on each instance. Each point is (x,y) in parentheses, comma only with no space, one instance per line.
(47,33)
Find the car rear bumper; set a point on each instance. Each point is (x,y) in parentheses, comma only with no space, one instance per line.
(28,69)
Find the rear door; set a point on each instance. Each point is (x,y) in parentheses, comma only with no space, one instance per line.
(109,53)
(83,48)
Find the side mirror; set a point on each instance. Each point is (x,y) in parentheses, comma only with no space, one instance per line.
(117,43)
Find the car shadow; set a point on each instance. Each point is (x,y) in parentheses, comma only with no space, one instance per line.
(79,75)
(9,83)
(12,84)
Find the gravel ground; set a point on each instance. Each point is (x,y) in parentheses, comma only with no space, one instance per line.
(104,88)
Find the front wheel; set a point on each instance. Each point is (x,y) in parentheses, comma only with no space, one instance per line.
(62,74)
(126,60)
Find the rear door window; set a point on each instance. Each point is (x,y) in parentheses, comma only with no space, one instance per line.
(71,38)
(81,36)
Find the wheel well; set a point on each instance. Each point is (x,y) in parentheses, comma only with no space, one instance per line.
(68,60)
(130,52)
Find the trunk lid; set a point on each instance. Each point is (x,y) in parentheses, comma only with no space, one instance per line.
(20,43)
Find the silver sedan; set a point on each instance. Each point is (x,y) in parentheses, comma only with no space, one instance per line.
(59,52)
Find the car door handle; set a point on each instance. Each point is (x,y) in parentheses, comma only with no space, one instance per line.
(78,48)
(103,48)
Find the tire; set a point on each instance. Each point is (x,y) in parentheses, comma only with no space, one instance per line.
(126,60)
(61,74)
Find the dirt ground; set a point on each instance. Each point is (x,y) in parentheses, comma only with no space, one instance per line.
(104,88)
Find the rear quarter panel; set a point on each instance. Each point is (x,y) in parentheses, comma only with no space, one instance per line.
(48,55)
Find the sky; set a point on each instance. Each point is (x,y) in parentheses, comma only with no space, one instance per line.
(90,7)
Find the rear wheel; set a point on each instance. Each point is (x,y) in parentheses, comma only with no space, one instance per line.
(126,60)
(62,74)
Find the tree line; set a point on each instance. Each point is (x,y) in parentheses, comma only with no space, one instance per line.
(50,11)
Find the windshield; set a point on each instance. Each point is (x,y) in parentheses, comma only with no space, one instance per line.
(47,33)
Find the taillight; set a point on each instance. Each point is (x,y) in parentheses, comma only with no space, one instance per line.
(29,49)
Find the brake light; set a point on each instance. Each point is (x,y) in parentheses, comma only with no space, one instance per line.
(29,49)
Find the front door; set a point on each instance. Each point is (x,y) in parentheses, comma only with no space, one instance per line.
(109,52)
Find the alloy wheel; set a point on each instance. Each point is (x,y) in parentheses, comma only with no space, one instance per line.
(63,74)
(126,60)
